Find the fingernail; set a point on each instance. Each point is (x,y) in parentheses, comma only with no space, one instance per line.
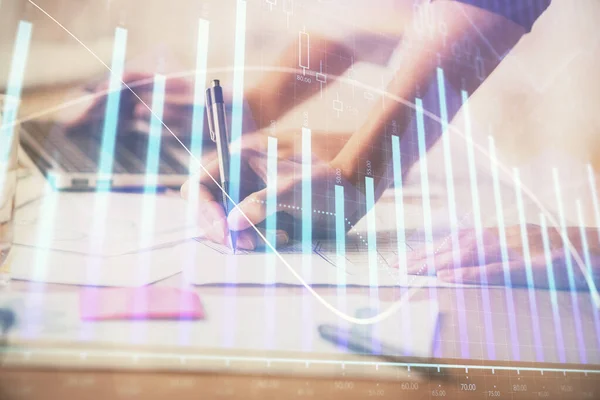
(282,237)
(139,110)
(445,274)
(184,190)
(234,218)
(245,243)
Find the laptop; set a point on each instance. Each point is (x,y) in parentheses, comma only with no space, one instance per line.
(70,157)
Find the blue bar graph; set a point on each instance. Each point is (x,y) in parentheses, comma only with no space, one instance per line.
(427,220)
(111,116)
(340,251)
(535,321)
(197,134)
(154,139)
(237,115)
(14,87)
(569,265)
(307,230)
(148,211)
(456,255)
(372,256)
(340,239)
(45,235)
(10,112)
(588,264)
(371,237)
(271,206)
(560,343)
(425,186)
(510,304)
(399,197)
(271,236)
(19,63)
(152,159)
(485,296)
(107,148)
(401,237)
(306,191)
(237,112)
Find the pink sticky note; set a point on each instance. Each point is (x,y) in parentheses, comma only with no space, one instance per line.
(139,303)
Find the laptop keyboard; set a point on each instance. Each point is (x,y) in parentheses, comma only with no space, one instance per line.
(79,150)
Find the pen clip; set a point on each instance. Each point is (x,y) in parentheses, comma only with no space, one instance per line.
(209,115)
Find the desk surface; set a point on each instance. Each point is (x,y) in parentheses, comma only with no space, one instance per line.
(455,340)
(451,342)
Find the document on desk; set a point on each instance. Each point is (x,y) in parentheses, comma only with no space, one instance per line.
(216,264)
(104,224)
(125,270)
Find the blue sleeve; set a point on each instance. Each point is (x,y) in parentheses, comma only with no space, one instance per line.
(522,12)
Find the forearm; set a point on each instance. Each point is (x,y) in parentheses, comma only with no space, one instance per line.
(421,54)
(285,86)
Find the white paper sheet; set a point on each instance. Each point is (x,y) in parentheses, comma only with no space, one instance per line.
(246,322)
(104,223)
(217,265)
(134,269)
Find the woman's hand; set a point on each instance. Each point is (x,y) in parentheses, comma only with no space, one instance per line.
(470,271)
(252,209)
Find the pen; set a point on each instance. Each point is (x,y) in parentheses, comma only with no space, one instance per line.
(217,125)
(362,344)
(7,320)
(357,343)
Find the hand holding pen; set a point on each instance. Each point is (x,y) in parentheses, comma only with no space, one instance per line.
(229,224)
(217,124)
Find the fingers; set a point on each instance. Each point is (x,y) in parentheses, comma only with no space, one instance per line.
(87,108)
(445,255)
(251,211)
(541,271)
(249,239)
(213,219)
(248,213)
(492,274)
(211,215)
(514,273)
(469,250)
